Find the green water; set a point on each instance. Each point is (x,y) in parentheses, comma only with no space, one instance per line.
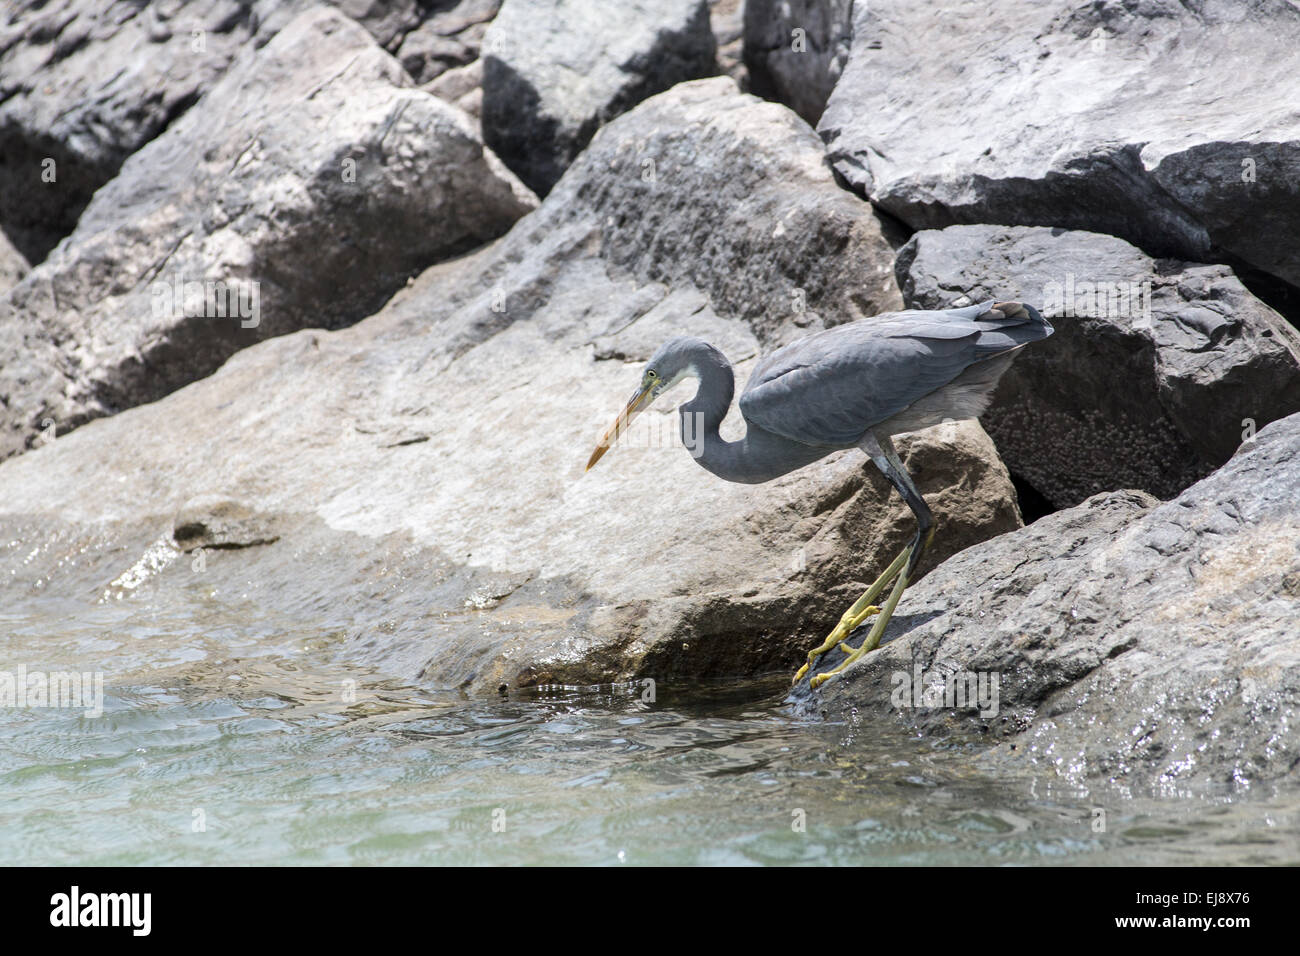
(225,743)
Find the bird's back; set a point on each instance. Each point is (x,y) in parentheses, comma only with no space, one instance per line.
(831,387)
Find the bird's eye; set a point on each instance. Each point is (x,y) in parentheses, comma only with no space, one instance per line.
(652,374)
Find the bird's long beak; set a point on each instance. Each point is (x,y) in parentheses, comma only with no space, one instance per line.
(636,404)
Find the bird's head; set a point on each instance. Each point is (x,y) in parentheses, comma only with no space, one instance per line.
(671,363)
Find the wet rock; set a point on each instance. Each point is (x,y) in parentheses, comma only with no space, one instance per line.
(210,521)
(1133,640)
(1107,117)
(795,50)
(1157,372)
(83,84)
(555,71)
(304,189)
(428,461)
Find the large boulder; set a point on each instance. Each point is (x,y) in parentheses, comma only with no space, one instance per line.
(555,71)
(1104,116)
(415,483)
(303,190)
(795,50)
(84,83)
(1157,371)
(1132,640)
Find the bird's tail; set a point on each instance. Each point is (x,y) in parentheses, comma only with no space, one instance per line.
(1021,321)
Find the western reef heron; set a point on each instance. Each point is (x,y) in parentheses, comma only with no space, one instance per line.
(850,386)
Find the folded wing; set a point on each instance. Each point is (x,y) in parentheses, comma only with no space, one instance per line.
(829,388)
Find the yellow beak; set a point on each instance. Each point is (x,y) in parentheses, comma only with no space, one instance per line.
(638,403)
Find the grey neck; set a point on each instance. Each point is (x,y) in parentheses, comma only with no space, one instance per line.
(760,455)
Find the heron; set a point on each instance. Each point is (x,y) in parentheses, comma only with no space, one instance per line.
(854,385)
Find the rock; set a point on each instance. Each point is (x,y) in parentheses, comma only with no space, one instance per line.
(303,190)
(1157,371)
(795,50)
(209,521)
(448,36)
(1107,117)
(425,466)
(728,19)
(83,84)
(12,265)
(388,21)
(462,87)
(555,71)
(1143,642)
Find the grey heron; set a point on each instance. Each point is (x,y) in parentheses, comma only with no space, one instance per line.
(850,386)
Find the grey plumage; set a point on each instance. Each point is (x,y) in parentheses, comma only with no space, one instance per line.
(853,385)
(896,372)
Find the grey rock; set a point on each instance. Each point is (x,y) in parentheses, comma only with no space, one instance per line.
(424,467)
(1149,644)
(1108,117)
(210,521)
(1157,372)
(795,50)
(13,265)
(462,87)
(84,83)
(555,71)
(449,35)
(728,19)
(388,21)
(303,190)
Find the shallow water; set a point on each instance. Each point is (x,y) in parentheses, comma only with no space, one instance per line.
(225,741)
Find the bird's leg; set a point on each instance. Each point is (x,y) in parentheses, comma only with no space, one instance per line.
(855,615)
(886,459)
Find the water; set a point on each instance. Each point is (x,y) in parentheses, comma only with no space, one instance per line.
(228,742)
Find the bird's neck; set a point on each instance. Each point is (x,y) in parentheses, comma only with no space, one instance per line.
(702,416)
(759,456)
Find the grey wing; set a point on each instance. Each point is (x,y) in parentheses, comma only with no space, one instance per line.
(830,387)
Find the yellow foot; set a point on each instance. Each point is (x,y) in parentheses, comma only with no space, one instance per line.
(869,644)
(853,653)
(872,640)
(848,624)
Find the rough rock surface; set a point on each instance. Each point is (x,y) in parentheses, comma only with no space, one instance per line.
(1134,640)
(1128,132)
(728,18)
(1157,371)
(422,470)
(795,50)
(13,266)
(555,71)
(445,35)
(461,86)
(84,83)
(209,521)
(303,190)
